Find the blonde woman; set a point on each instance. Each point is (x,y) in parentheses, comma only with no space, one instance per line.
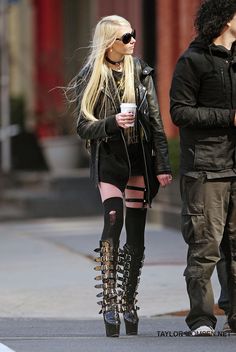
(126,162)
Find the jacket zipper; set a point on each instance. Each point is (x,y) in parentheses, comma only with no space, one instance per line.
(231,81)
(139,108)
(96,160)
(127,153)
(148,184)
(144,158)
(223,81)
(143,130)
(144,97)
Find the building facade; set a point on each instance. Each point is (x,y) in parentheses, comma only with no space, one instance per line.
(49,41)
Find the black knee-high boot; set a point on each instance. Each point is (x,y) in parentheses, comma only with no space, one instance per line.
(133,262)
(111,301)
(109,259)
(133,258)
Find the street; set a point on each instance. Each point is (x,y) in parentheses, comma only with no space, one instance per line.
(48,299)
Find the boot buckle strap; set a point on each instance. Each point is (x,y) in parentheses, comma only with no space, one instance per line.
(103,267)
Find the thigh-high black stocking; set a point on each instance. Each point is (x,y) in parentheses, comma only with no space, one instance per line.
(113,219)
(135,221)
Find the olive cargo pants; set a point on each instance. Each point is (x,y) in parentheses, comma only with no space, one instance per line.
(208,211)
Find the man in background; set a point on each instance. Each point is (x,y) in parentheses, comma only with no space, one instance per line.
(203,105)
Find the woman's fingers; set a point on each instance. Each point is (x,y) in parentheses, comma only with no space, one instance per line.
(124,119)
(164,179)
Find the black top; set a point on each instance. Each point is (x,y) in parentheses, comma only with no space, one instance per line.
(131,134)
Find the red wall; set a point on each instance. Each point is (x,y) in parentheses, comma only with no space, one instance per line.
(175,29)
(49,54)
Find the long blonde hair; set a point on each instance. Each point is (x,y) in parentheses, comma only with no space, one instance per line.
(104,36)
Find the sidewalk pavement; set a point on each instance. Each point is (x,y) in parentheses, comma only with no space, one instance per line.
(46,269)
(48,299)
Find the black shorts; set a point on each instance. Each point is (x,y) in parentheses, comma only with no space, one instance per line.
(114,166)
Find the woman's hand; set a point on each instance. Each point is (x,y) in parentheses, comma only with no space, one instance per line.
(124,119)
(164,179)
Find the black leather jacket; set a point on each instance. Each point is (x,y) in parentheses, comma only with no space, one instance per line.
(105,127)
(203,105)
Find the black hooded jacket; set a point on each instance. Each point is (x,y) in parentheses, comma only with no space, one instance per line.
(203,105)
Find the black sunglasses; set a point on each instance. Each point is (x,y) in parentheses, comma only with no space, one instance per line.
(126,38)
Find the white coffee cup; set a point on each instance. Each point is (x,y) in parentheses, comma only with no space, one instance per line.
(128,107)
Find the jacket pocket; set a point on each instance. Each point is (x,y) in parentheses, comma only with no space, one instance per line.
(210,154)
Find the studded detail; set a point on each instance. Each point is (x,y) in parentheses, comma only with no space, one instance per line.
(103,267)
(133,262)
(110,264)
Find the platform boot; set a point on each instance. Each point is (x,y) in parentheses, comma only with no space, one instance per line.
(111,301)
(133,262)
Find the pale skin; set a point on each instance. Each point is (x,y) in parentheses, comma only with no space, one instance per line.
(116,53)
(107,190)
(227,38)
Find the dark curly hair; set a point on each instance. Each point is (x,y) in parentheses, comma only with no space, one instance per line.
(212,16)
